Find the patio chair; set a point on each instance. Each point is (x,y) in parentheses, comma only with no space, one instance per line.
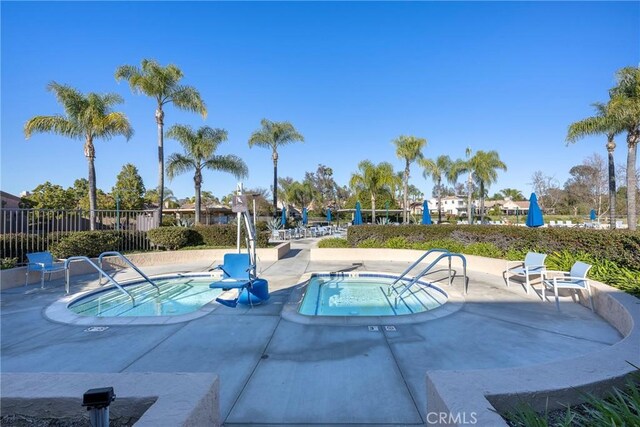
(44,263)
(568,223)
(575,279)
(236,274)
(533,265)
(552,223)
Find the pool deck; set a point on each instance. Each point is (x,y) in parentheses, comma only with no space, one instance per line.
(275,372)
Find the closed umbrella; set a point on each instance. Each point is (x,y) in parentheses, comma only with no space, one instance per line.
(426,216)
(328,215)
(357,220)
(592,215)
(284,216)
(534,217)
(305,218)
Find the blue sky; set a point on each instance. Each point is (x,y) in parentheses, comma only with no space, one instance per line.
(350,76)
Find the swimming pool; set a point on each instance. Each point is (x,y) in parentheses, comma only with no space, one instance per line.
(179,294)
(366,294)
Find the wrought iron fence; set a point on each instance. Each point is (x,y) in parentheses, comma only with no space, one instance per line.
(33,230)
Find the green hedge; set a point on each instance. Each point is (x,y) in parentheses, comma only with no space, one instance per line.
(86,243)
(173,238)
(615,256)
(619,246)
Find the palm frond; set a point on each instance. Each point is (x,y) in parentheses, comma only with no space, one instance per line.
(177,164)
(56,124)
(187,98)
(228,163)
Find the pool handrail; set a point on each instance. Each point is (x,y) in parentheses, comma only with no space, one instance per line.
(416,278)
(416,262)
(100,271)
(128,262)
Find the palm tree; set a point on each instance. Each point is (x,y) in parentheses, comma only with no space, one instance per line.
(86,117)
(372,180)
(272,135)
(408,148)
(199,148)
(482,167)
(512,193)
(602,123)
(163,85)
(625,108)
(436,169)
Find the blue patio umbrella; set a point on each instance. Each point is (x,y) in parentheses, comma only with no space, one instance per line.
(534,217)
(357,220)
(305,218)
(426,216)
(592,215)
(328,215)
(283,221)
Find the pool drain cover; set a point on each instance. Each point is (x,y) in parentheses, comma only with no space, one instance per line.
(373,329)
(97,329)
(390,328)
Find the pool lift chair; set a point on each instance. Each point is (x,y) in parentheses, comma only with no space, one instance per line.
(239,279)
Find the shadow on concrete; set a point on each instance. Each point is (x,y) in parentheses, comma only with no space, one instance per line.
(292,253)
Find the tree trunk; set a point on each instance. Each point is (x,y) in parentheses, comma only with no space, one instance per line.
(470,220)
(197,179)
(632,145)
(160,122)
(405,188)
(90,154)
(611,146)
(275,183)
(439,201)
(481,202)
(373,210)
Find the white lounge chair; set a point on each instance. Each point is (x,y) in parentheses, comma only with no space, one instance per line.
(552,224)
(533,265)
(575,279)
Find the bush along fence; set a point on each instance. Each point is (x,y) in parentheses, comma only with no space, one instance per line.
(615,255)
(172,238)
(33,230)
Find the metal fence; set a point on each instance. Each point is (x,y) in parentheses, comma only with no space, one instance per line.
(33,230)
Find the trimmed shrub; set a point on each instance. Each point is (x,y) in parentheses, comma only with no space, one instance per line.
(334,242)
(85,243)
(619,246)
(448,244)
(19,244)
(396,243)
(173,238)
(226,234)
(488,250)
(7,263)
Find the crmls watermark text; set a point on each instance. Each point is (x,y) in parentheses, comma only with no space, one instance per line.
(459,418)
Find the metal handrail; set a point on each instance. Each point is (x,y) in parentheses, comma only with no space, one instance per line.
(416,278)
(128,261)
(416,262)
(100,270)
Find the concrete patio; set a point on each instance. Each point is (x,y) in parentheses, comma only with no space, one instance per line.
(273,371)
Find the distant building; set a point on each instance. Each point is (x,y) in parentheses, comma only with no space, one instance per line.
(9,201)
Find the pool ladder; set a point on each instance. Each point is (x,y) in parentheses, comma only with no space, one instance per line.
(101,272)
(400,288)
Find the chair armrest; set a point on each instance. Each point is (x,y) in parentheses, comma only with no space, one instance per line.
(570,278)
(514,264)
(39,264)
(530,267)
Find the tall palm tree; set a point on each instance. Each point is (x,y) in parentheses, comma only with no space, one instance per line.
(163,85)
(408,148)
(437,169)
(372,180)
(273,135)
(625,107)
(602,123)
(199,148)
(482,167)
(86,117)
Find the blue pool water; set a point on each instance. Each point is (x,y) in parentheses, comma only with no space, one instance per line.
(178,295)
(366,295)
